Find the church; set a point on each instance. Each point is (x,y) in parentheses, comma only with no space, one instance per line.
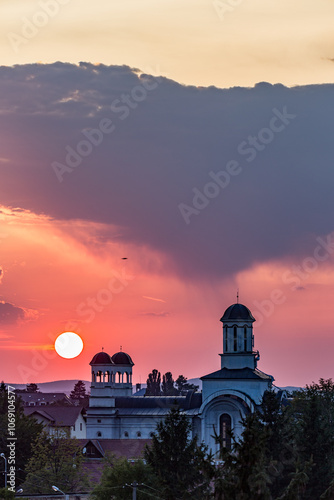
(227,394)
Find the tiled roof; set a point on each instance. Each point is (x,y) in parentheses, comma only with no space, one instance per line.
(63,416)
(42,397)
(127,448)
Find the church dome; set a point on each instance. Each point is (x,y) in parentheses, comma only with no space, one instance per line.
(237,312)
(121,358)
(101,358)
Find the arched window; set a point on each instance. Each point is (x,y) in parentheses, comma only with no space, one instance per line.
(235,338)
(99,434)
(126,434)
(139,434)
(226,344)
(225,429)
(245,338)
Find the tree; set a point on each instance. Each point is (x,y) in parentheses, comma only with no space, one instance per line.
(244,475)
(182,385)
(32,388)
(261,463)
(312,414)
(79,393)
(55,460)
(181,466)
(167,386)
(26,430)
(6,494)
(153,384)
(119,472)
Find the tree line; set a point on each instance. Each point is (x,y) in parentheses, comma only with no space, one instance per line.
(167,386)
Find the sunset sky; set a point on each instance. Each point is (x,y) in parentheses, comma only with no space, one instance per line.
(194,138)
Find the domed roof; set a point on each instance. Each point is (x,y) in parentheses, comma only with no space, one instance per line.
(121,358)
(237,312)
(101,358)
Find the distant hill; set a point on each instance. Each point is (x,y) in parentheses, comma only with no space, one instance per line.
(56,386)
(66,386)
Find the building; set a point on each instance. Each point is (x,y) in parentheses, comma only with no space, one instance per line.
(70,419)
(227,394)
(44,398)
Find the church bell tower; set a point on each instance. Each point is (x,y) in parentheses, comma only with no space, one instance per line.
(238,339)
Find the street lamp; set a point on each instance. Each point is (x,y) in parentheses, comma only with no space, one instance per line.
(5,459)
(55,488)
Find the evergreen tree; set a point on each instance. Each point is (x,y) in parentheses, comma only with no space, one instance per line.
(153,384)
(312,413)
(79,393)
(181,466)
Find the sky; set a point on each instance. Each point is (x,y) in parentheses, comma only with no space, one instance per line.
(192,138)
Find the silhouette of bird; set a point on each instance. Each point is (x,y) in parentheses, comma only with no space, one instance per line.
(124,258)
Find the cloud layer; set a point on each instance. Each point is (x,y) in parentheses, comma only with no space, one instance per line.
(253,165)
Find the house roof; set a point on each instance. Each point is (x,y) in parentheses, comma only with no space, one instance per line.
(43,397)
(62,416)
(237,374)
(127,448)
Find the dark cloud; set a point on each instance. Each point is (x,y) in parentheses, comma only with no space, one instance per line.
(155,315)
(166,143)
(10,313)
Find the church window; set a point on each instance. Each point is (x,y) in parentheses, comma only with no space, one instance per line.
(80,426)
(98,420)
(126,434)
(225,429)
(139,434)
(226,344)
(151,434)
(99,434)
(235,338)
(245,338)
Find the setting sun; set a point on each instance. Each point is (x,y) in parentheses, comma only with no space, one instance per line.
(68,345)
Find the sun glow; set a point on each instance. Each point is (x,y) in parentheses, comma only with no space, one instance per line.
(68,345)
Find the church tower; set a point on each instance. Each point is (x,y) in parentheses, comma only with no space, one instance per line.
(238,338)
(238,387)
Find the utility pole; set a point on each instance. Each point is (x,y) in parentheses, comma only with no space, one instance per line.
(5,459)
(134,490)
(134,487)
